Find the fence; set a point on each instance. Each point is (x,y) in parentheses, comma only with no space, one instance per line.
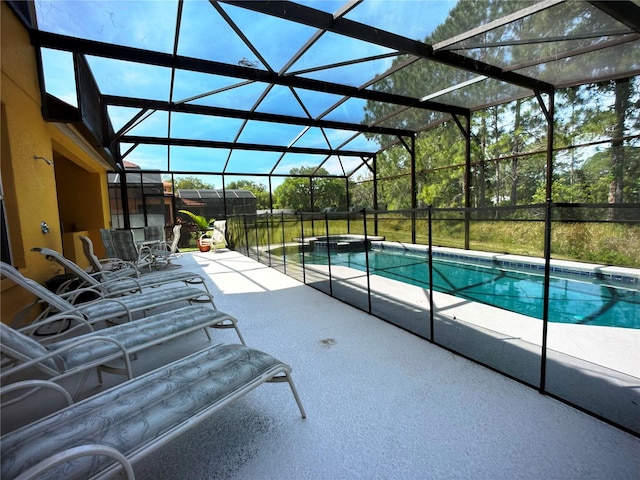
(548,295)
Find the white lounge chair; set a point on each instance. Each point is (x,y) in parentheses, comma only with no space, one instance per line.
(110,284)
(103,309)
(138,416)
(96,348)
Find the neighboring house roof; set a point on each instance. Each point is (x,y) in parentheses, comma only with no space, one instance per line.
(192,203)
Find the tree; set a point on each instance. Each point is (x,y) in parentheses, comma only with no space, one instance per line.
(440,147)
(394,186)
(622,90)
(191,183)
(296,191)
(361,192)
(259,190)
(444,148)
(505,135)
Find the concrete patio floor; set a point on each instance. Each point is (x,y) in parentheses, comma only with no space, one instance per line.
(381,402)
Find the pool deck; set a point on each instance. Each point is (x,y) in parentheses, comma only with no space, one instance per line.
(592,343)
(382,403)
(580,358)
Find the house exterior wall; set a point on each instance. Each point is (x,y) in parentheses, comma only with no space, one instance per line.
(35,191)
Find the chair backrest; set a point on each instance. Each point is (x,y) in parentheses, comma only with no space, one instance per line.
(176,239)
(20,347)
(87,248)
(125,245)
(219,228)
(154,232)
(35,288)
(68,265)
(105,235)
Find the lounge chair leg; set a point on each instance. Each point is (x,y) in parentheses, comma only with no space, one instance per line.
(233,325)
(287,378)
(83,380)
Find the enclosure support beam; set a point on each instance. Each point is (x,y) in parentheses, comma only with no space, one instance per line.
(467,179)
(311,206)
(348,203)
(224,198)
(466,132)
(124,197)
(374,168)
(414,188)
(549,114)
(411,148)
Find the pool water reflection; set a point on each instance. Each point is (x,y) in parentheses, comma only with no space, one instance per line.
(571,300)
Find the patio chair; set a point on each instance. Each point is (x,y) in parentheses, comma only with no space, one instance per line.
(217,235)
(126,249)
(219,232)
(110,283)
(139,416)
(97,348)
(109,247)
(117,267)
(154,233)
(103,309)
(164,252)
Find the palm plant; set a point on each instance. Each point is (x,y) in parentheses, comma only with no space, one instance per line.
(201,222)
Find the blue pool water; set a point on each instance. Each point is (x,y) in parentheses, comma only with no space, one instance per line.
(571,300)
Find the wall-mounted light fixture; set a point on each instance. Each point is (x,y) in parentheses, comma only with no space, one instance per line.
(37,157)
(44,227)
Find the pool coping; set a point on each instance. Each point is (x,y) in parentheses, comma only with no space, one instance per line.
(624,275)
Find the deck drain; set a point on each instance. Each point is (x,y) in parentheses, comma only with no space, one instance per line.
(328,342)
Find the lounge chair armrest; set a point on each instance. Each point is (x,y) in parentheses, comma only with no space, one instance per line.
(37,470)
(103,276)
(104,300)
(6,372)
(73,295)
(116,262)
(68,286)
(31,313)
(115,281)
(33,386)
(31,328)
(23,316)
(110,275)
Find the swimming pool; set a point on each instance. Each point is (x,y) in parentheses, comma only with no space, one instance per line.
(571,300)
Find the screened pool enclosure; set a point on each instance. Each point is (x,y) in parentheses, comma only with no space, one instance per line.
(485,128)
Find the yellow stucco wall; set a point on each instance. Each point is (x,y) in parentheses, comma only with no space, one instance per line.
(31,186)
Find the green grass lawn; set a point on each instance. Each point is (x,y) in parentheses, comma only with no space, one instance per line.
(596,242)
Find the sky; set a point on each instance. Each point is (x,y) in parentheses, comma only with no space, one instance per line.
(151,25)
(270,43)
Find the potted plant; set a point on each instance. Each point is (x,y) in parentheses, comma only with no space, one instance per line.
(202,223)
